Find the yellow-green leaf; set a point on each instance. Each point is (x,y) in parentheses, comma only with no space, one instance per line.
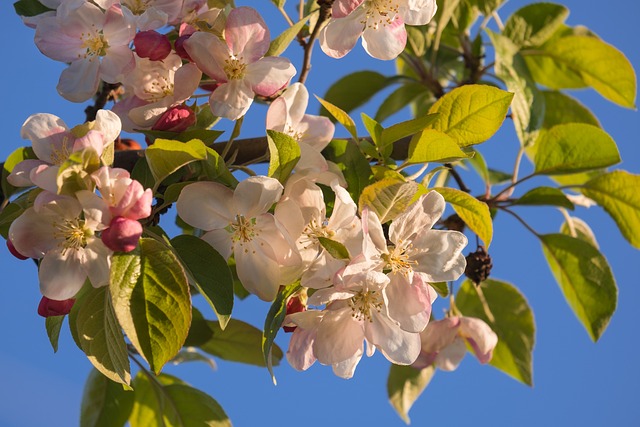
(404,385)
(472,211)
(167,156)
(388,198)
(471,114)
(341,116)
(434,146)
(104,402)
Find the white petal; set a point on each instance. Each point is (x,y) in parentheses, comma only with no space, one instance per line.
(340,35)
(247,34)
(257,269)
(220,240)
(450,357)
(255,195)
(418,12)
(398,346)
(482,339)
(208,52)
(19,176)
(438,254)
(33,234)
(97,262)
(44,131)
(300,353)
(340,337)
(80,80)
(385,42)
(316,131)
(206,205)
(61,276)
(420,216)
(118,61)
(347,368)
(231,100)
(269,75)
(109,124)
(409,303)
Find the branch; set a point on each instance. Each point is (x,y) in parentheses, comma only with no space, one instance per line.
(102,97)
(325,13)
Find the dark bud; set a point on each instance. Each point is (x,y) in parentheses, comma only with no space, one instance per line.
(14,251)
(454,223)
(152,45)
(178,45)
(479,265)
(49,307)
(294,305)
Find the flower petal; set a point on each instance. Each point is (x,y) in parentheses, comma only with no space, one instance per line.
(80,80)
(206,205)
(409,303)
(398,346)
(386,41)
(269,75)
(418,12)
(340,337)
(438,254)
(208,52)
(231,100)
(61,274)
(340,35)
(255,195)
(420,216)
(246,34)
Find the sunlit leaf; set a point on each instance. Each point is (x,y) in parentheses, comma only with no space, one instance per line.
(53,324)
(281,43)
(341,117)
(404,385)
(167,156)
(104,403)
(272,324)
(434,146)
(388,198)
(545,196)
(472,211)
(535,23)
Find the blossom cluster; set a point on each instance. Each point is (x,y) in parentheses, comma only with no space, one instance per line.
(364,284)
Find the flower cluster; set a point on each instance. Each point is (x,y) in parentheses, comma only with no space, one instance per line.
(71,229)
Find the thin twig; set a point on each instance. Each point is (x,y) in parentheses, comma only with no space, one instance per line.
(522,221)
(325,13)
(456,176)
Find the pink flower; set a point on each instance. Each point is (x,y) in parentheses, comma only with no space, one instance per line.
(443,342)
(239,63)
(379,22)
(93,41)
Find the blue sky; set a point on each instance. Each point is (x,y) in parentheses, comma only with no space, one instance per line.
(576,381)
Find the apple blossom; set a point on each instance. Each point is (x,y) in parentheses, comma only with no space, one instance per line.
(238,63)
(62,235)
(49,307)
(149,14)
(443,342)
(152,45)
(53,142)
(416,256)
(379,22)
(93,41)
(237,222)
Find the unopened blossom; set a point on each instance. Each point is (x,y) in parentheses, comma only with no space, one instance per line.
(356,314)
(53,142)
(122,235)
(58,232)
(176,119)
(156,86)
(49,307)
(238,223)
(287,114)
(238,63)
(414,256)
(444,342)
(379,22)
(303,212)
(93,41)
(152,45)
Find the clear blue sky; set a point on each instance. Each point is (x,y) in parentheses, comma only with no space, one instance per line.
(577,382)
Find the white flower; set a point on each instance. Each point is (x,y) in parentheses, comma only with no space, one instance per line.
(379,22)
(443,342)
(416,256)
(57,231)
(237,222)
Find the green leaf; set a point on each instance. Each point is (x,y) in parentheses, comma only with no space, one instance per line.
(597,63)
(53,324)
(207,136)
(238,342)
(167,156)
(487,7)
(341,117)
(151,298)
(534,24)
(280,43)
(30,8)
(335,249)
(471,114)
(142,173)
(208,272)
(404,385)
(354,166)
(472,211)
(215,169)
(388,198)
(272,324)
(442,288)
(434,146)
(562,109)
(168,402)
(104,403)
(353,90)
(574,147)
(99,334)
(284,155)
(513,322)
(617,192)
(374,128)
(399,99)
(545,196)
(577,228)
(527,108)
(20,154)
(585,279)
(403,129)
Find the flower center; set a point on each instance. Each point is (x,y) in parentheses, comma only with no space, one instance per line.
(61,154)
(242,229)
(234,68)
(72,234)
(159,88)
(293,133)
(380,13)
(94,43)
(138,7)
(314,229)
(397,260)
(364,303)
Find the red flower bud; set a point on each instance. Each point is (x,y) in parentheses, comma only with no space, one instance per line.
(152,45)
(294,305)
(122,235)
(49,307)
(14,251)
(178,45)
(176,119)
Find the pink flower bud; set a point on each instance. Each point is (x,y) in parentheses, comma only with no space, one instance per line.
(122,235)
(14,251)
(152,45)
(176,119)
(294,305)
(49,307)
(178,45)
